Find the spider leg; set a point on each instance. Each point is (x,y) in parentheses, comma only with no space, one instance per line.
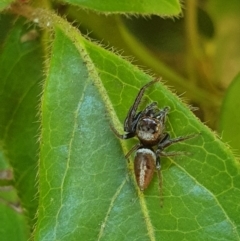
(146,112)
(122,136)
(173,153)
(162,114)
(134,148)
(160,180)
(166,141)
(131,116)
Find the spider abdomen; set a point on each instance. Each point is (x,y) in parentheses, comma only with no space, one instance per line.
(144,166)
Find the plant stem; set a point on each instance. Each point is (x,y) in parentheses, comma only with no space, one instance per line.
(191,39)
(193,92)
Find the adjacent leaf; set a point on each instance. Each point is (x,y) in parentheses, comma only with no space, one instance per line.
(5,3)
(85,192)
(4,165)
(11,218)
(5,26)
(230,117)
(20,71)
(144,7)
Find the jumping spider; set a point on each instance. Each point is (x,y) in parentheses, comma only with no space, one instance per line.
(148,126)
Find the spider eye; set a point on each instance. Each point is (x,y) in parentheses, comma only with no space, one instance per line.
(148,125)
(149,130)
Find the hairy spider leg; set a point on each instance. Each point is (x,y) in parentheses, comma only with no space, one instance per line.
(166,141)
(149,109)
(146,112)
(131,116)
(122,136)
(174,153)
(160,179)
(134,148)
(162,114)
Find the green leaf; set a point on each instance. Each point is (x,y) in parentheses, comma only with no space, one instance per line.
(74,124)
(196,186)
(5,26)
(5,3)
(11,213)
(229,125)
(20,71)
(144,7)
(87,188)
(11,217)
